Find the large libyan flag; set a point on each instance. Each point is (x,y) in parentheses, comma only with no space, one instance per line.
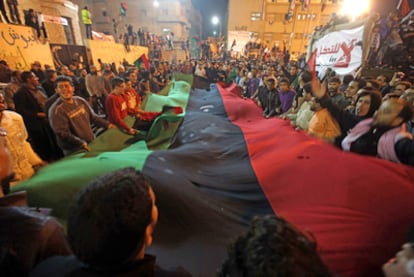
(226,163)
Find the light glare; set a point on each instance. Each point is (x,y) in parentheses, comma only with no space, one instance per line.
(215,20)
(355,8)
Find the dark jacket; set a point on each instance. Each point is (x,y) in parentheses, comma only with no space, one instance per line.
(70,266)
(28,107)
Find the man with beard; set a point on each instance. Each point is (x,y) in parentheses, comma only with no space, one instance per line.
(95,94)
(105,81)
(322,125)
(384,135)
(336,96)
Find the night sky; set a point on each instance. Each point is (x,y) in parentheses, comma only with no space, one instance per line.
(208,9)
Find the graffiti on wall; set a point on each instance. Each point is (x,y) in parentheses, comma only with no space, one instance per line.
(20,47)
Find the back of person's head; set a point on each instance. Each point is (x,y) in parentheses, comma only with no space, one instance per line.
(308,87)
(273,247)
(108,219)
(16,224)
(361,83)
(306,76)
(347,79)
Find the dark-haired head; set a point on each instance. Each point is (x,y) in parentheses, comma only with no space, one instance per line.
(284,80)
(116,82)
(393,113)
(108,219)
(307,87)
(61,79)
(347,79)
(375,100)
(26,75)
(306,76)
(273,247)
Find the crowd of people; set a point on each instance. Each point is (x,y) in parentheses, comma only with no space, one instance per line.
(370,115)
(332,109)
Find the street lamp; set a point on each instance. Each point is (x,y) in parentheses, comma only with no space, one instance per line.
(216,21)
(156,3)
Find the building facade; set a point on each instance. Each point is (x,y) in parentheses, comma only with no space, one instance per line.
(265,20)
(160,17)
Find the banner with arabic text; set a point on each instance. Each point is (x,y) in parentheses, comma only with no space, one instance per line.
(20,47)
(339,50)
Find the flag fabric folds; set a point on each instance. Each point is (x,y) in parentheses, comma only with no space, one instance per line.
(404,7)
(227,164)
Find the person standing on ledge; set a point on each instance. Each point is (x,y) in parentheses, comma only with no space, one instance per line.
(87,21)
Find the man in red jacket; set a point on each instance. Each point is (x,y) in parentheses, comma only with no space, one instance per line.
(116,106)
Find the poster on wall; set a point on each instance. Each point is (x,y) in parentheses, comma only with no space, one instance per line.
(340,50)
(20,47)
(111,52)
(69,54)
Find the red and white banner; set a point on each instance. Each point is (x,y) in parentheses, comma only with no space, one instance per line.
(339,50)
